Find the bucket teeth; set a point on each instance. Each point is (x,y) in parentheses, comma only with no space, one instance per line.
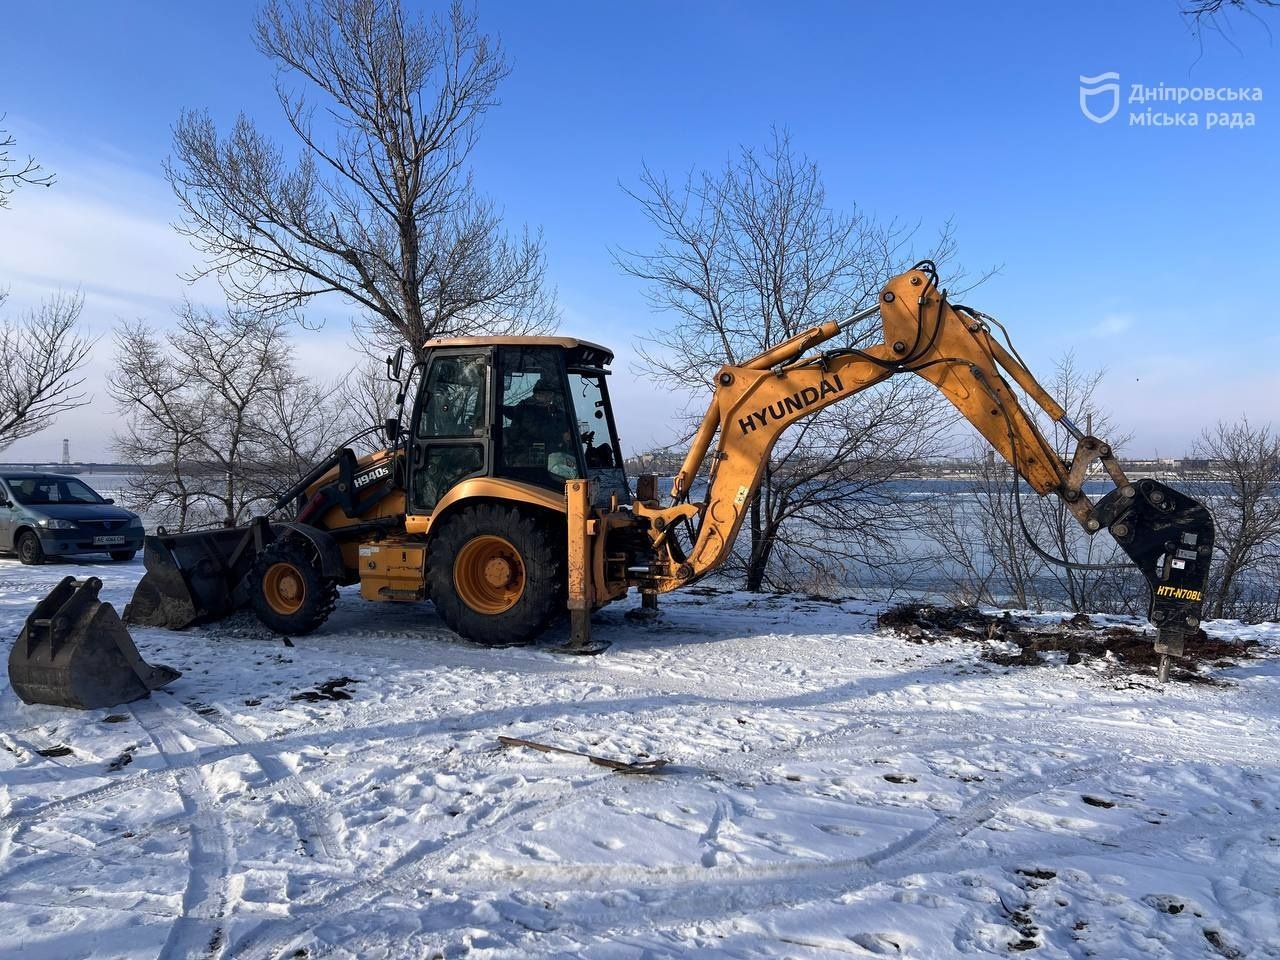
(75,652)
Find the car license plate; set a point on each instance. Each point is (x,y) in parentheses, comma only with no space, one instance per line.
(107,541)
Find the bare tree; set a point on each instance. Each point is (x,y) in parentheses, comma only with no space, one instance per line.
(40,355)
(14,173)
(1242,492)
(303,421)
(378,206)
(988,557)
(161,431)
(1114,588)
(984,556)
(216,417)
(747,257)
(1199,10)
(368,398)
(834,509)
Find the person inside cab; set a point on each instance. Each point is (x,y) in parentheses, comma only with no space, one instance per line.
(538,435)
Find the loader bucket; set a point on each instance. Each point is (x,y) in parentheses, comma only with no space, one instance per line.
(75,652)
(190,577)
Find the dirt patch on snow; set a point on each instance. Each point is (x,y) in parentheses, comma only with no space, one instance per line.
(1009,640)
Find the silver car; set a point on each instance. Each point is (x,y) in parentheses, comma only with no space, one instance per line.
(49,515)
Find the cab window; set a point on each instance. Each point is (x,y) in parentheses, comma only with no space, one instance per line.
(454,401)
(452,427)
(536,442)
(593,428)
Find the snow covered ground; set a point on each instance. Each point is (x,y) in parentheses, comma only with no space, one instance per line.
(832,792)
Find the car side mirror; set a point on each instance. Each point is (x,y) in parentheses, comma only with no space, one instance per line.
(111,500)
(391,427)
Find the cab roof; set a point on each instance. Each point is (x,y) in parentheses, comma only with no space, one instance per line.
(597,354)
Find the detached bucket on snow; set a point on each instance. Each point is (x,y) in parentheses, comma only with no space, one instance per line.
(75,652)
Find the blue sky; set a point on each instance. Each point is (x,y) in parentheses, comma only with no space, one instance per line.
(1149,251)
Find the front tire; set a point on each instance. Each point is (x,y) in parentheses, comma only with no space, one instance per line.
(496,574)
(287,591)
(29,550)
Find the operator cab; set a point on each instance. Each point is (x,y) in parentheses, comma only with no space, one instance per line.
(530,409)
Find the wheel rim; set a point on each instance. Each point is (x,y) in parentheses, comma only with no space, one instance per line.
(26,549)
(489,574)
(284,588)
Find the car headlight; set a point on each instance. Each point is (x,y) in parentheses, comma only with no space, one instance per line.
(135,523)
(56,524)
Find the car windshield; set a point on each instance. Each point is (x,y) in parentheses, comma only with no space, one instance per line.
(31,491)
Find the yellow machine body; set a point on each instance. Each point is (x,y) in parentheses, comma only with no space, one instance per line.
(393,570)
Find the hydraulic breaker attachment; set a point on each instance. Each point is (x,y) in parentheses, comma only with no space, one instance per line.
(193,577)
(75,652)
(1170,538)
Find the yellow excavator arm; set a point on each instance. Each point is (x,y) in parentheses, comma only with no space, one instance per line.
(1167,535)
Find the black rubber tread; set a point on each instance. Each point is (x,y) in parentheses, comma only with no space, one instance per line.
(542,552)
(123,555)
(321,592)
(28,548)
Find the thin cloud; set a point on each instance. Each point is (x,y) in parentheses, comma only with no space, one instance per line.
(1112,325)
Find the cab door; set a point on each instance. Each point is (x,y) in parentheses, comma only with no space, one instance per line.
(452,425)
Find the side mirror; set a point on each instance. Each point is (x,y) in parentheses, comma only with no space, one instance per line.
(391,427)
(395,364)
(111,499)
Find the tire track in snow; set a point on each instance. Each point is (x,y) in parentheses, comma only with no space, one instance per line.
(267,939)
(199,930)
(253,748)
(1212,748)
(310,822)
(702,889)
(945,831)
(699,895)
(411,869)
(950,830)
(207,756)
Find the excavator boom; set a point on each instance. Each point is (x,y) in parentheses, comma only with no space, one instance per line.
(1166,534)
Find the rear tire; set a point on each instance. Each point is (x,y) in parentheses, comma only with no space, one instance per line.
(287,591)
(123,555)
(29,550)
(496,574)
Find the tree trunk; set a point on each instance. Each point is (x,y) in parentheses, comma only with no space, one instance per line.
(1230,567)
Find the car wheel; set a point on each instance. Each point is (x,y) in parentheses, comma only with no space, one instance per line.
(496,575)
(287,591)
(29,550)
(123,555)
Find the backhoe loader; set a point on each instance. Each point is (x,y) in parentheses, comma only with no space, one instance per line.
(503,499)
